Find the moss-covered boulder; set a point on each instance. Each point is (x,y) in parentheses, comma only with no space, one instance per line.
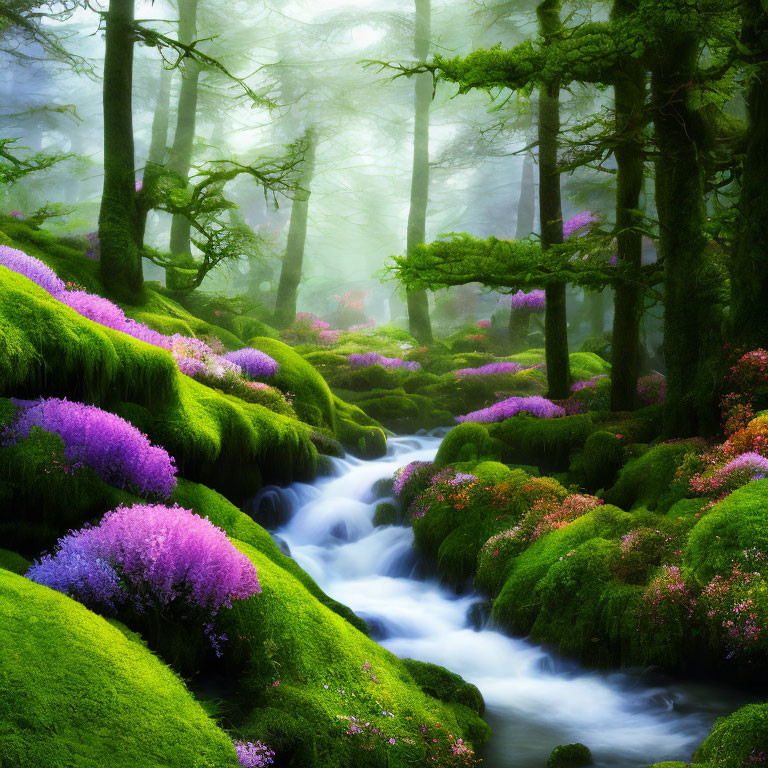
(76,690)
(737,740)
(570,756)
(598,463)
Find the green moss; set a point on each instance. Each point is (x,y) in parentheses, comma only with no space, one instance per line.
(357,432)
(548,443)
(645,481)
(597,464)
(291,737)
(570,756)
(517,606)
(386,514)
(312,398)
(403,413)
(585,365)
(736,524)
(320,661)
(13,562)
(736,738)
(468,442)
(71,685)
(445,685)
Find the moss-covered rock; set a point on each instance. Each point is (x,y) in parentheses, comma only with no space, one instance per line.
(468,442)
(14,562)
(386,514)
(646,480)
(77,691)
(361,435)
(586,365)
(444,685)
(737,524)
(737,740)
(570,756)
(597,464)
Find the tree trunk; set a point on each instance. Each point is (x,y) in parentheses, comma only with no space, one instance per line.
(290,274)
(749,273)
(526,206)
(630,95)
(184,138)
(691,320)
(418,304)
(551,215)
(158,146)
(121,268)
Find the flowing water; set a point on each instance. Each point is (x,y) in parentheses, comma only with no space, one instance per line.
(534,699)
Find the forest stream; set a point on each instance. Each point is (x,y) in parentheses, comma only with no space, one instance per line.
(534,700)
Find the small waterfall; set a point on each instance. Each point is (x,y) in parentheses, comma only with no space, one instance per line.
(535,701)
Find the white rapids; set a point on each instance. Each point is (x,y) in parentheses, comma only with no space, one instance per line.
(535,700)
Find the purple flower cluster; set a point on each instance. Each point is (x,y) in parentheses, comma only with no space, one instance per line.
(404,474)
(577,386)
(194,357)
(374,358)
(148,557)
(579,222)
(450,476)
(535,301)
(748,463)
(255,364)
(32,268)
(117,452)
(506,409)
(490,369)
(252,755)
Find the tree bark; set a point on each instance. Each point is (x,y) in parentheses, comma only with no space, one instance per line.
(121,267)
(418,304)
(293,260)
(551,215)
(519,326)
(749,273)
(630,96)
(186,120)
(691,320)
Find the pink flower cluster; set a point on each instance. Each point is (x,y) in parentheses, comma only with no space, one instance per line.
(374,358)
(490,369)
(362,326)
(483,324)
(512,406)
(117,452)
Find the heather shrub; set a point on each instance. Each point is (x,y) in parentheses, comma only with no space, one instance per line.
(251,755)
(374,358)
(113,448)
(149,563)
(536,406)
(32,268)
(490,369)
(255,364)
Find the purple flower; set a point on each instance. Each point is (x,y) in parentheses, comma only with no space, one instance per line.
(490,369)
(148,556)
(577,386)
(534,301)
(751,463)
(252,755)
(32,268)
(506,409)
(404,474)
(254,363)
(116,451)
(579,222)
(374,358)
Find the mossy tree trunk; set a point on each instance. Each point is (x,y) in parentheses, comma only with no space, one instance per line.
(551,215)
(418,305)
(630,96)
(183,141)
(121,267)
(158,145)
(293,260)
(749,272)
(691,320)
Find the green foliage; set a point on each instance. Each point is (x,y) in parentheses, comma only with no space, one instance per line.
(736,524)
(586,365)
(468,442)
(357,432)
(73,697)
(645,481)
(736,738)
(597,464)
